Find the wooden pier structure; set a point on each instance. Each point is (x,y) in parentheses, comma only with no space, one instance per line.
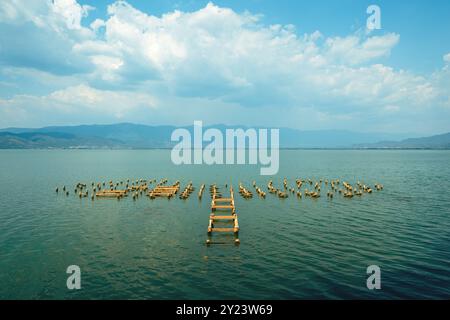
(223,218)
(112,193)
(187,191)
(200,193)
(246,194)
(228,214)
(164,191)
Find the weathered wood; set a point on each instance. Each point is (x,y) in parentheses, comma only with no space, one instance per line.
(161,192)
(222,229)
(223,199)
(214,217)
(164,191)
(232,219)
(223,206)
(111,193)
(167,187)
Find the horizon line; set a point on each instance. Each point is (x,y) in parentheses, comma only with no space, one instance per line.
(418,134)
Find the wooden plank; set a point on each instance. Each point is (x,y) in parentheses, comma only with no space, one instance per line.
(227,203)
(223,217)
(162,192)
(236,224)
(108,195)
(222,229)
(222,207)
(166,188)
(104,192)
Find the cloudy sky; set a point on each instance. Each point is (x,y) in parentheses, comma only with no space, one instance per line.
(299,64)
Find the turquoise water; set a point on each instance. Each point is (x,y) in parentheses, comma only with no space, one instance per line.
(290,249)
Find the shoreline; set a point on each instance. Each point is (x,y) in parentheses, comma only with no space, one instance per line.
(287,148)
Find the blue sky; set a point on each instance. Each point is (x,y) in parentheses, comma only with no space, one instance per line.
(424,26)
(301,64)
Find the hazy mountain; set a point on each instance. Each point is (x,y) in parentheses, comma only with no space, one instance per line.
(35,140)
(292,138)
(127,135)
(441,141)
(116,135)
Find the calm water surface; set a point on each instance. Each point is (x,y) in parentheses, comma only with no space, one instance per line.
(289,248)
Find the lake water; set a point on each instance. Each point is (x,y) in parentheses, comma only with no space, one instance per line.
(290,249)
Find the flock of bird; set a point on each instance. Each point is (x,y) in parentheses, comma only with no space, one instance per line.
(303,188)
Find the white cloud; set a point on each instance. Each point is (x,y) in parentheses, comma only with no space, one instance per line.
(41,35)
(354,50)
(216,57)
(97,24)
(77,101)
(447,57)
(58,15)
(218,53)
(71,12)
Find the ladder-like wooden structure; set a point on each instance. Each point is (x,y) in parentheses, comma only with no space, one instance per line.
(164,191)
(227,206)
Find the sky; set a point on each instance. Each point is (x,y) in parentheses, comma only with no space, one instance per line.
(310,65)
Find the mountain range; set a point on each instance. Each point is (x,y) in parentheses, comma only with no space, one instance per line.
(440,141)
(137,136)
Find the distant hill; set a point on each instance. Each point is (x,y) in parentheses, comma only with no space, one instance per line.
(124,135)
(441,141)
(38,140)
(128,135)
